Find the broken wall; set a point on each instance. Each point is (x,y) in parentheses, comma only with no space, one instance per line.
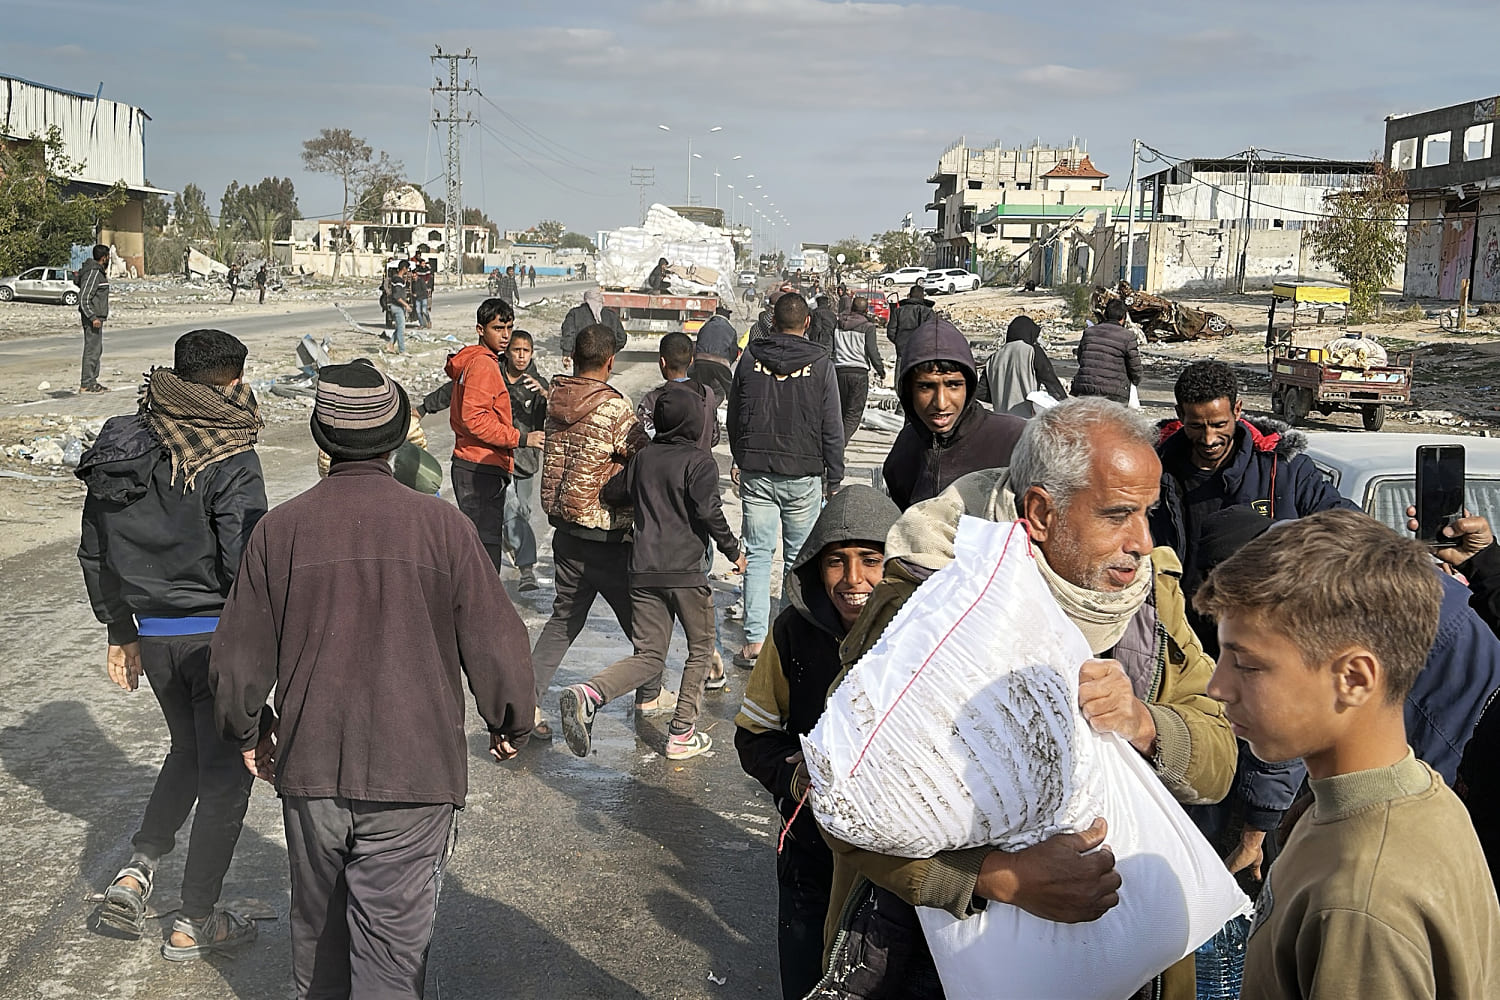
(1424,245)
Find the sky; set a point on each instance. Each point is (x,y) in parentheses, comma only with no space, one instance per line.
(840,109)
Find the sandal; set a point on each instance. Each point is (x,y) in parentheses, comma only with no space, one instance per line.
(220,933)
(540,727)
(123,910)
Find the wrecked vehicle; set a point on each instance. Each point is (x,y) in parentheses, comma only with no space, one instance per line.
(1161,319)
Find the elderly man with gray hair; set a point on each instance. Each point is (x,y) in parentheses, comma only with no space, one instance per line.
(1082,477)
(592,310)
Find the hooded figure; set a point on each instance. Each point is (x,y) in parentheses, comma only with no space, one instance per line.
(1019,368)
(714,354)
(591,311)
(908,316)
(945,436)
(785,696)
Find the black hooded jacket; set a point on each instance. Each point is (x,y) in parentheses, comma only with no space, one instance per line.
(784,415)
(805,636)
(674,488)
(155,550)
(909,316)
(923,464)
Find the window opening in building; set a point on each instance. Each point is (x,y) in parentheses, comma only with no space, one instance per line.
(1435,149)
(1404,154)
(1477,141)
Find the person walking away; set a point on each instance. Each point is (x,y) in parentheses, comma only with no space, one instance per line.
(839,566)
(528,412)
(674,358)
(1380,889)
(908,316)
(421,289)
(590,311)
(824,322)
(714,354)
(173,492)
(484,435)
(531,276)
(397,306)
(260,282)
(508,289)
(93,310)
(787,438)
(233,281)
(855,354)
(370,781)
(948,434)
(591,434)
(1019,368)
(1109,362)
(673,487)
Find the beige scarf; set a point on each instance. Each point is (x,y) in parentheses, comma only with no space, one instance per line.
(1101,615)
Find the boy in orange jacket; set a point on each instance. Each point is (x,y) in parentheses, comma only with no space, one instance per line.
(484,437)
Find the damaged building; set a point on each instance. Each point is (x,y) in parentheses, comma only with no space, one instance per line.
(106,138)
(403,226)
(1453,189)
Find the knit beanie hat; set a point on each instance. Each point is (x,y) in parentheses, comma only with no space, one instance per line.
(358,412)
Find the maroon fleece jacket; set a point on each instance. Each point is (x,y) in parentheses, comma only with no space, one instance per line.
(366,605)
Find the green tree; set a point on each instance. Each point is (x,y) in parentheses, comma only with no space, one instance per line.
(576,241)
(853,249)
(898,248)
(547,232)
(154,210)
(39,224)
(340,153)
(244,208)
(190,209)
(1363,238)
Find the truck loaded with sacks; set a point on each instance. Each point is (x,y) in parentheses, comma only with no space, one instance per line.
(701,260)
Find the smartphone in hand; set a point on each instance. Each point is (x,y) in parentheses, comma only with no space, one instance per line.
(1440,489)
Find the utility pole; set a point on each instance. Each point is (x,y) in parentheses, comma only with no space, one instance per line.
(453,214)
(643,177)
(1135,153)
(1245,241)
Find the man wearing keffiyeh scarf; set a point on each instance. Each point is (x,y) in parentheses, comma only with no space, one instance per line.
(174,491)
(199,424)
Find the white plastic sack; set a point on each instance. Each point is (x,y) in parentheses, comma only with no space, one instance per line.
(960,728)
(1135,398)
(1041,400)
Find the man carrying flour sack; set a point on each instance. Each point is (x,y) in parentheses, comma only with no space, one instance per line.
(1083,476)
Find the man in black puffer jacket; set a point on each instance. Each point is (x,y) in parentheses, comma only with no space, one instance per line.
(910,315)
(948,433)
(1108,361)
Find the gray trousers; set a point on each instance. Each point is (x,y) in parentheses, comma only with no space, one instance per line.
(365,880)
(93,351)
(652,611)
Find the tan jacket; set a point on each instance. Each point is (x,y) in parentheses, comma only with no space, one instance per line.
(1381,891)
(1196,748)
(592,431)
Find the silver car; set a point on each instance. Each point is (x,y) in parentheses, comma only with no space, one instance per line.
(1378,471)
(40,284)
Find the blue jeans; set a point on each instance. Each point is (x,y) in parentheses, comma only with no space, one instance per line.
(772,505)
(397,316)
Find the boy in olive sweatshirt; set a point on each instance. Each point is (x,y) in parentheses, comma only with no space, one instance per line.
(1382,889)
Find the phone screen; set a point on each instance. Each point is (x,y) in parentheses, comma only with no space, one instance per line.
(1440,488)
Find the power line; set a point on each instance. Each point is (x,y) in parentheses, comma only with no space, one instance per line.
(453,231)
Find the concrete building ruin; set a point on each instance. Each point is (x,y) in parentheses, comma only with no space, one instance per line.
(1453,187)
(1003,198)
(402,228)
(108,139)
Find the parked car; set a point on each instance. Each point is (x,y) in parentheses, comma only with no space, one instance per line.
(905,277)
(950,280)
(1377,470)
(41,284)
(747,279)
(880,306)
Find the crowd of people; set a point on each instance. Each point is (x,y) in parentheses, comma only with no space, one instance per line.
(1308,684)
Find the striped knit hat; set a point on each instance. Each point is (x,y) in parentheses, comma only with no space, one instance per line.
(359,413)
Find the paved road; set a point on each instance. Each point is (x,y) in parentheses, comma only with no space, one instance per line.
(620,876)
